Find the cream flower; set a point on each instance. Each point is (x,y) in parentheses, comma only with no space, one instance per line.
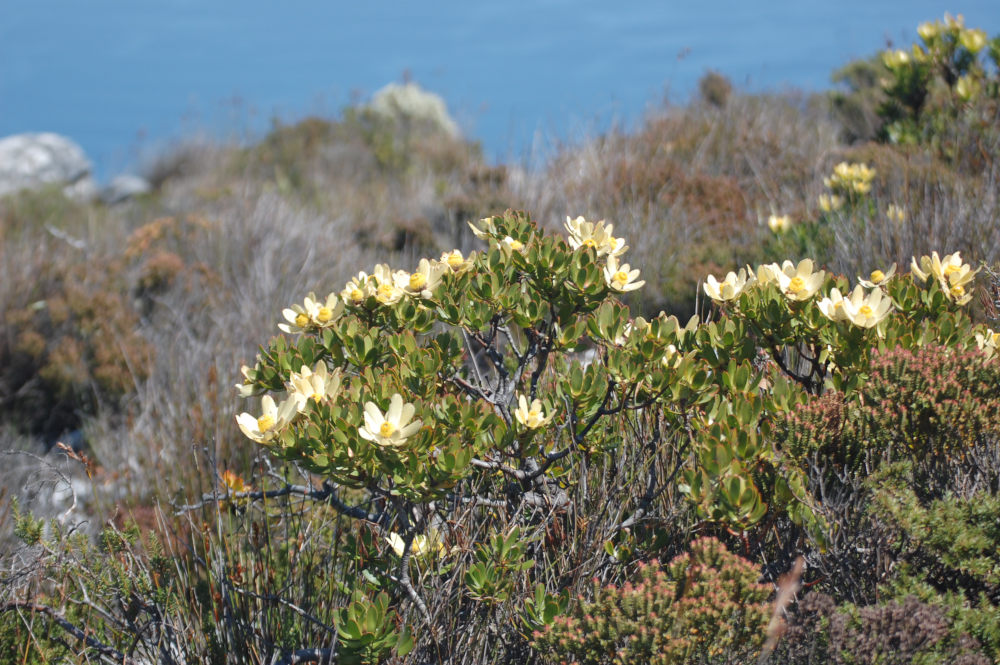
(508,245)
(391,429)
(619,277)
(484,231)
(359,289)
(829,202)
(596,235)
(422,545)
(729,288)
(953,275)
(766,273)
(247,388)
(671,358)
(928,30)
(877,278)
(456,262)
(867,311)
(799,282)
(779,223)
(312,313)
(895,213)
(531,416)
(833,306)
(271,421)
(972,40)
(988,342)
(421,282)
(387,292)
(317,385)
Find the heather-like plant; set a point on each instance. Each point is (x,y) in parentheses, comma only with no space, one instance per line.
(703,607)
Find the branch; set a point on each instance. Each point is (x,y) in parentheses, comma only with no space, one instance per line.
(327,494)
(91,642)
(308,656)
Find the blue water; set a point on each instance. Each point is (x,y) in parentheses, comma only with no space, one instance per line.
(124,78)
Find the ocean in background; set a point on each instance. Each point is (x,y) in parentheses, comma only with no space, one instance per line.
(125,79)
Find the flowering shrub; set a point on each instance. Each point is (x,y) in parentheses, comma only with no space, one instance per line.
(951,67)
(704,606)
(463,382)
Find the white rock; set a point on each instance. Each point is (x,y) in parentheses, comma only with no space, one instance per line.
(411,101)
(124,187)
(30,161)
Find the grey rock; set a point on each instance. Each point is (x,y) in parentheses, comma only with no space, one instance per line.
(124,187)
(31,161)
(411,102)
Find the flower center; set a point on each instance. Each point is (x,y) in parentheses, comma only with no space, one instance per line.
(265,422)
(958,290)
(387,429)
(357,295)
(797,285)
(996,338)
(951,268)
(417,281)
(324,314)
(455,260)
(877,276)
(385,293)
(317,397)
(301,320)
(865,310)
(621,277)
(590,242)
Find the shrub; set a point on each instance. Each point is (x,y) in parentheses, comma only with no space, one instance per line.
(705,607)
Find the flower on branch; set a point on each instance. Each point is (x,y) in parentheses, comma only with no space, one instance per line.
(391,428)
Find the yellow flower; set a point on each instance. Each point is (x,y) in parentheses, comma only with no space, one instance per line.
(966,88)
(313,313)
(894,59)
(729,288)
(392,428)
(456,262)
(867,311)
(671,358)
(799,282)
(766,273)
(850,178)
(387,292)
(877,278)
(422,546)
(317,385)
(928,30)
(779,224)
(271,421)
(828,202)
(833,306)
(359,289)
(422,282)
(972,40)
(508,245)
(484,231)
(895,213)
(953,275)
(596,235)
(619,277)
(988,342)
(246,388)
(531,416)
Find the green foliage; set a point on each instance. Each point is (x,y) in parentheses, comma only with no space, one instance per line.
(704,606)
(367,634)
